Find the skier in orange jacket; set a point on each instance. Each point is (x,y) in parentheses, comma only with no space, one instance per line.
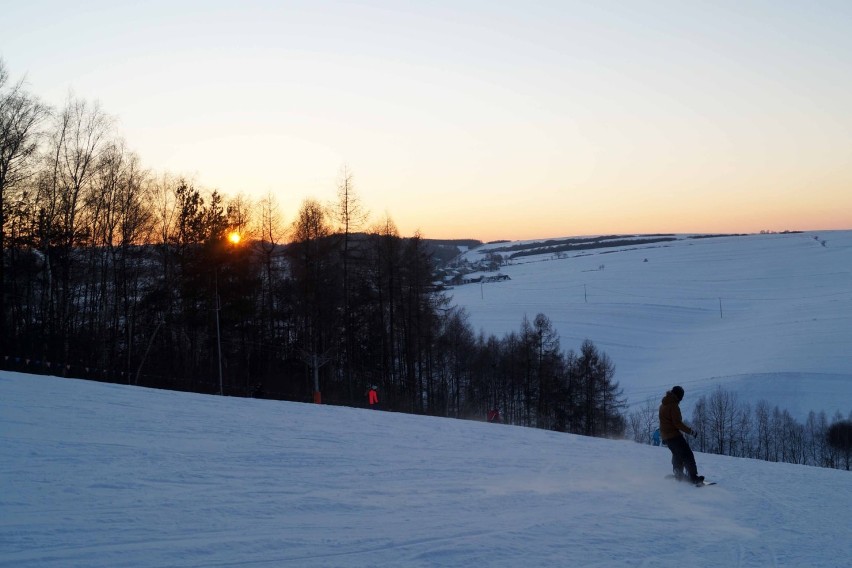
(671,426)
(373,397)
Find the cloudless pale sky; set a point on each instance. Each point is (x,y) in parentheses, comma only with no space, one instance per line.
(470,118)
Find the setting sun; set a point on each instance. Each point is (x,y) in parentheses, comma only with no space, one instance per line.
(566,118)
(234,237)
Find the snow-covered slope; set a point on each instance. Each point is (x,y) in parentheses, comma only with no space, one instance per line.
(766,316)
(101,475)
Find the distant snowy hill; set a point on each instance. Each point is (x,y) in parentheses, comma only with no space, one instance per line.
(104,475)
(767,316)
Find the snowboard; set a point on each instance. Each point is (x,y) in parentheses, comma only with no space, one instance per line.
(702,484)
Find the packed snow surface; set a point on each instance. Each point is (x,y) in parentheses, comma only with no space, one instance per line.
(765,316)
(101,475)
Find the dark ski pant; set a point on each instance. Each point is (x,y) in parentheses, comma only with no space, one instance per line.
(682,456)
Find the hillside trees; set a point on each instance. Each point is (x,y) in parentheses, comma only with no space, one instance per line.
(532,381)
(122,274)
(399,275)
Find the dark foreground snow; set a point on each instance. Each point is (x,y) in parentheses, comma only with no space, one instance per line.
(106,475)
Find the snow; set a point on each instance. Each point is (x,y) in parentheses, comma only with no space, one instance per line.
(102,475)
(783,333)
(109,475)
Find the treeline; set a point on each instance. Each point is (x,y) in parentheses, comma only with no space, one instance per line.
(113,272)
(730,427)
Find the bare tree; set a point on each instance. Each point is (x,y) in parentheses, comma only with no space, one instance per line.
(79,141)
(79,137)
(794,440)
(119,213)
(21,114)
(547,369)
(644,421)
(699,422)
(350,216)
(165,205)
(349,213)
(269,224)
(270,233)
(742,434)
(816,432)
(238,213)
(603,398)
(764,431)
(721,414)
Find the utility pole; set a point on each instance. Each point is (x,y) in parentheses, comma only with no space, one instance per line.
(218,335)
(147,350)
(316,361)
(317,393)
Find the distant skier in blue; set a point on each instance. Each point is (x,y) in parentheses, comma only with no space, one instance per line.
(671,426)
(655,437)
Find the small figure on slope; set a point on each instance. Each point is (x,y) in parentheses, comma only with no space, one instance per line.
(373,397)
(671,426)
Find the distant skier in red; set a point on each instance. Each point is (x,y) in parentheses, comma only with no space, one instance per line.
(373,397)
(671,426)
(494,415)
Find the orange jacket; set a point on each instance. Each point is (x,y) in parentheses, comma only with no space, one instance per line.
(373,397)
(671,422)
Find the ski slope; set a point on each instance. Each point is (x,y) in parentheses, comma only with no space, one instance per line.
(102,475)
(766,316)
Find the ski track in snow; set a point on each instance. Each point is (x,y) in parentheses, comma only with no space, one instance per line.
(104,475)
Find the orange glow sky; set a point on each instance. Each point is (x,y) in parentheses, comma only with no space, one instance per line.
(469,119)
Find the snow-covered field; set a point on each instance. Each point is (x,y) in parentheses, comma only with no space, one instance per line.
(765,316)
(106,475)
(100,475)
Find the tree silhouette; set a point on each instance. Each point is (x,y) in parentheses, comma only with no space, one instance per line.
(840,438)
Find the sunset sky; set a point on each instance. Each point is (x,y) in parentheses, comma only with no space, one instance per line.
(488,120)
